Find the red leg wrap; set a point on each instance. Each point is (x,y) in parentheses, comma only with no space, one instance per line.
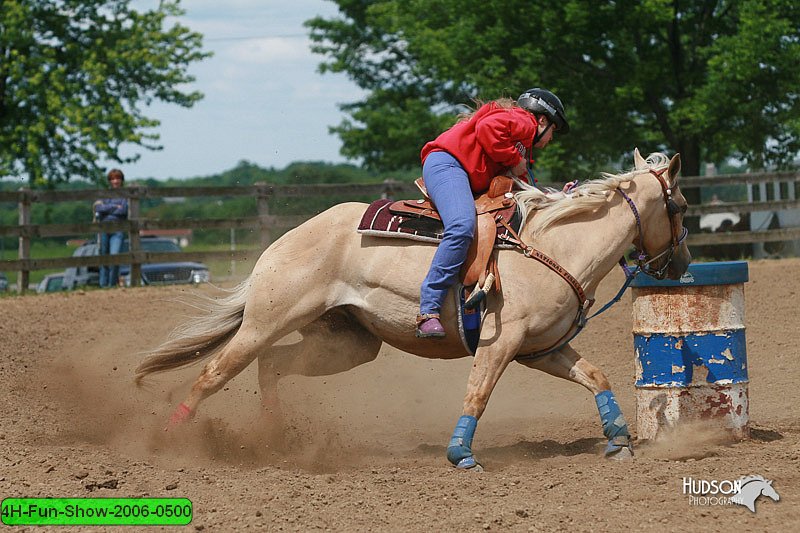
(182,414)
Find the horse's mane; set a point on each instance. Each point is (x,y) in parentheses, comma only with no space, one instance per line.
(554,206)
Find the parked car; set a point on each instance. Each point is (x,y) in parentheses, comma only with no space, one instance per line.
(51,283)
(152,273)
(3,282)
(75,277)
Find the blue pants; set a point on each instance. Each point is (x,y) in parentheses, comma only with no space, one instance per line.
(448,186)
(110,244)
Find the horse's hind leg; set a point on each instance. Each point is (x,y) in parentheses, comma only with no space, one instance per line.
(333,343)
(259,330)
(568,364)
(240,352)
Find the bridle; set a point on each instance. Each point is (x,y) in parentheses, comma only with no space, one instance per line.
(643,262)
(643,259)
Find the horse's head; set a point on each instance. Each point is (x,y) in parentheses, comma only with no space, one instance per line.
(662,238)
(768,491)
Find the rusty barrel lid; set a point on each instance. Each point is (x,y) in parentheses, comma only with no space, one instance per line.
(715,273)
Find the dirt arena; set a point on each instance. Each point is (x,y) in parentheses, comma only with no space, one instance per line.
(365,450)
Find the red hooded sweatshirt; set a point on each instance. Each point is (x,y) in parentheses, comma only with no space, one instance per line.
(486,145)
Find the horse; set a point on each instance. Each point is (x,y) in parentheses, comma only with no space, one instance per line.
(339,288)
(752,487)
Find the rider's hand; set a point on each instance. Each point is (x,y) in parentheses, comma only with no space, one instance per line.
(520,169)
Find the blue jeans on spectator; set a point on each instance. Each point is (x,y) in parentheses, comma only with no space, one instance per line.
(110,244)
(448,186)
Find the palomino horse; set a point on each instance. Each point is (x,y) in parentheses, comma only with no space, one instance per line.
(339,288)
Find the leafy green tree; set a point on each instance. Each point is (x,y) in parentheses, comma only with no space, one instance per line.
(709,78)
(75,76)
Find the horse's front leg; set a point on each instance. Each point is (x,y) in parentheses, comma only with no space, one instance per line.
(491,359)
(568,364)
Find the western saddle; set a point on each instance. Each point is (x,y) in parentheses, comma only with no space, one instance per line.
(495,209)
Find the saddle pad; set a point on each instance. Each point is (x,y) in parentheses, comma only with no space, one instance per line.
(378,221)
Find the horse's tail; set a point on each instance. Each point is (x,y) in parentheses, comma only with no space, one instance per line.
(201,337)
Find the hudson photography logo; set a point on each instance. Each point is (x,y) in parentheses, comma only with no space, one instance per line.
(743,491)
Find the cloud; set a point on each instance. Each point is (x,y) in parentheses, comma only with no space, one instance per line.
(264,99)
(267,50)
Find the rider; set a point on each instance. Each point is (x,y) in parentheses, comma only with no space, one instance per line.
(495,139)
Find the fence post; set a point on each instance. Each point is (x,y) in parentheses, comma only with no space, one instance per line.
(23,277)
(233,249)
(389,189)
(133,234)
(263,193)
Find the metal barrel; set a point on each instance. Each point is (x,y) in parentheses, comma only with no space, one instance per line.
(690,349)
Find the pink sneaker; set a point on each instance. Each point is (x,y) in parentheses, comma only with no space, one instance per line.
(428,326)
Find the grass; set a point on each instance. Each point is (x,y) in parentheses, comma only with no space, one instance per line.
(222,269)
(39,250)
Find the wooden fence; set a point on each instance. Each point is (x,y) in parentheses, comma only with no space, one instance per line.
(266,224)
(263,222)
(776,192)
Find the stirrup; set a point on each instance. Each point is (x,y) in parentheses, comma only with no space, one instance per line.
(479,294)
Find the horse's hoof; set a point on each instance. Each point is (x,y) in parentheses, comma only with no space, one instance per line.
(469,463)
(619,449)
(182,414)
(623,454)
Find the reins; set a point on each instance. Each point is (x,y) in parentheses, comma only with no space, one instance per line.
(546,260)
(643,263)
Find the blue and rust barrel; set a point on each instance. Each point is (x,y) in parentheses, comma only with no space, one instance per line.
(690,349)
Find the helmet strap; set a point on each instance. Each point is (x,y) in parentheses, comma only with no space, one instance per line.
(538,135)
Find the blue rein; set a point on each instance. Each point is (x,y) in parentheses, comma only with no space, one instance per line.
(581,320)
(643,263)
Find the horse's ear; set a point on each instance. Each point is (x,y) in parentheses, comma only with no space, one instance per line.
(674,169)
(638,161)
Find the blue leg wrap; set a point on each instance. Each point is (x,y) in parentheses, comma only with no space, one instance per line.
(459,451)
(614,426)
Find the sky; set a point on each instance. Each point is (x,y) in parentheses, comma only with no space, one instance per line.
(264,100)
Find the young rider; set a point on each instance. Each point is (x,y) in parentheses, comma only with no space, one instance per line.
(496,139)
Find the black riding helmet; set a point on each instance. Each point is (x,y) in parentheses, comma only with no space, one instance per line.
(543,102)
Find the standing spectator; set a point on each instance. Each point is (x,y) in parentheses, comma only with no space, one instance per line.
(110,210)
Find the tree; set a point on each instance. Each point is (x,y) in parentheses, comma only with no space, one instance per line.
(74,77)
(710,79)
